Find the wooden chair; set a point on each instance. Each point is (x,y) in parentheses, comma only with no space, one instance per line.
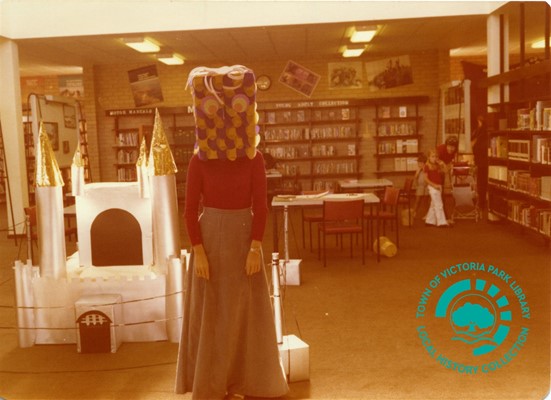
(310,215)
(406,195)
(388,211)
(341,217)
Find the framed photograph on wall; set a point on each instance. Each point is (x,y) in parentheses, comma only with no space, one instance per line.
(299,78)
(145,85)
(388,73)
(69,116)
(345,75)
(52,130)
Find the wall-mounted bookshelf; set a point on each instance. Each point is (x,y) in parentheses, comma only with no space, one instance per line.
(131,125)
(397,134)
(315,143)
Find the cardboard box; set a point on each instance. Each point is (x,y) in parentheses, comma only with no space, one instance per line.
(289,272)
(295,356)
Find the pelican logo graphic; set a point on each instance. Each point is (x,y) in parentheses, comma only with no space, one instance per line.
(478,310)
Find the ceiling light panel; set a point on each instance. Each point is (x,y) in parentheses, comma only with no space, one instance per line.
(143,45)
(363,34)
(171,59)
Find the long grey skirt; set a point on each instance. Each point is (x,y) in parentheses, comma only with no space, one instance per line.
(228,342)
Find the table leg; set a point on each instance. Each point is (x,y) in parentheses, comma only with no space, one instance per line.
(275,230)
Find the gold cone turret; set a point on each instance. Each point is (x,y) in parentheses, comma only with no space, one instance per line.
(161,161)
(47,169)
(77,158)
(142,157)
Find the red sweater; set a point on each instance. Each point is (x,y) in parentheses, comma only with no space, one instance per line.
(229,185)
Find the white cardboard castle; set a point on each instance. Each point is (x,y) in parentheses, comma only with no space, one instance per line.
(139,218)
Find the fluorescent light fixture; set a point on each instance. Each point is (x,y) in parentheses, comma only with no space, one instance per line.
(170,59)
(352,50)
(363,34)
(540,44)
(141,44)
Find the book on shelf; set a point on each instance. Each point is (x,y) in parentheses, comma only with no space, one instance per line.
(351,149)
(400,164)
(345,114)
(518,149)
(411,164)
(542,113)
(540,149)
(497,172)
(498,147)
(384,112)
(544,222)
(402,111)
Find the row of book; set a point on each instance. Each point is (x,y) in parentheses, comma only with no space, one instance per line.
(126,174)
(182,155)
(184,136)
(398,146)
(331,132)
(320,186)
(537,150)
(530,216)
(127,138)
(127,156)
(392,112)
(522,181)
(288,116)
(318,150)
(285,134)
(334,167)
(405,164)
(396,129)
(537,118)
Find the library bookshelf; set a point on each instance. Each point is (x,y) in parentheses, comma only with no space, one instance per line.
(314,143)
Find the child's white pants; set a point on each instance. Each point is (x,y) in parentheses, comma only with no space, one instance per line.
(436,215)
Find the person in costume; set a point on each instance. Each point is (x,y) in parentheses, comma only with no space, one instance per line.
(228,347)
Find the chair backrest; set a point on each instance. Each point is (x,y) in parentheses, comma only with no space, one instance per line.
(31,213)
(391,196)
(408,184)
(343,210)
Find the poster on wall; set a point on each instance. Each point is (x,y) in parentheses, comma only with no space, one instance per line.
(299,78)
(145,85)
(346,75)
(388,73)
(71,86)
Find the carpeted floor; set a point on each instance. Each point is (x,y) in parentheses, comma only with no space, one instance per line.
(359,321)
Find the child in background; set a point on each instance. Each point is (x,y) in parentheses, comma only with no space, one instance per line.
(433,178)
(419,183)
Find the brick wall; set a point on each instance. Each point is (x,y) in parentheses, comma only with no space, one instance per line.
(112,90)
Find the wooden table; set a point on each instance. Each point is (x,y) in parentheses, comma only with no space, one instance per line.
(284,202)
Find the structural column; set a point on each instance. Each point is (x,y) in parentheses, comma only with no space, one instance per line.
(11,116)
(497,27)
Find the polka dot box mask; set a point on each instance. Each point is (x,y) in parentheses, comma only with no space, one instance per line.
(224,104)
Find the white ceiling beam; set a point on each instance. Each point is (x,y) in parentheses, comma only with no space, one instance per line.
(24,19)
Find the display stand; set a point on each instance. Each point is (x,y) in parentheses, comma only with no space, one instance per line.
(294,353)
(290,268)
